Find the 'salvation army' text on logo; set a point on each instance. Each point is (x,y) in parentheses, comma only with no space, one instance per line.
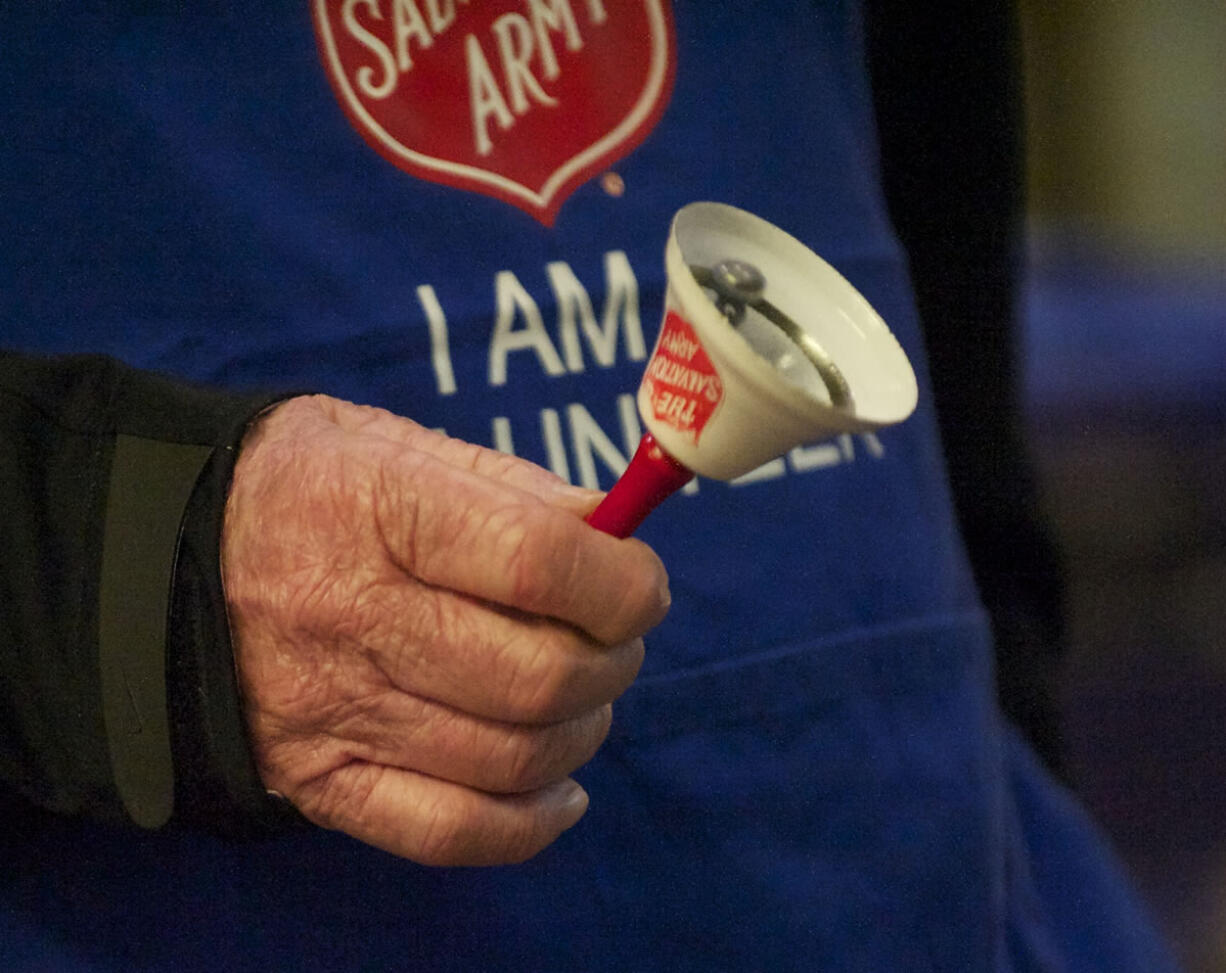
(681,381)
(522,100)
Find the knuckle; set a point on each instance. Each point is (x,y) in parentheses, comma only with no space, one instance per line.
(559,677)
(542,555)
(531,757)
(396,510)
(550,696)
(546,684)
(636,603)
(521,764)
(527,573)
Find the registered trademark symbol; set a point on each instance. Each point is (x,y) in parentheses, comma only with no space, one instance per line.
(613,184)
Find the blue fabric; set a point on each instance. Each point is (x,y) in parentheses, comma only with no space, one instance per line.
(811,773)
(1105,335)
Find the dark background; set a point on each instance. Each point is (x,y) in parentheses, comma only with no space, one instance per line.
(1125,396)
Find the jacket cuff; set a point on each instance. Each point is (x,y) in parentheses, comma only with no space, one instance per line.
(116,672)
(217,787)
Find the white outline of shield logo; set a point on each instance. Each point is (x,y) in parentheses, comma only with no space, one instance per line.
(539,203)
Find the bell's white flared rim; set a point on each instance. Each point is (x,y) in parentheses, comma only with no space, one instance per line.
(883,384)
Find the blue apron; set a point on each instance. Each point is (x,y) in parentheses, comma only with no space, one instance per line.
(811,772)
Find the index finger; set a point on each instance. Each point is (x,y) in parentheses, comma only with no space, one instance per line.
(490,463)
(456,529)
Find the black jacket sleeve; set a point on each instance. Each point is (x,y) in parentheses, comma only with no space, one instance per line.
(947,89)
(117,690)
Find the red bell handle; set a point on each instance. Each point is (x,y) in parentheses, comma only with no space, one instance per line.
(651,477)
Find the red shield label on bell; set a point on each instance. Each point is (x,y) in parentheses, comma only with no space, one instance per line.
(523,100)
(682,383)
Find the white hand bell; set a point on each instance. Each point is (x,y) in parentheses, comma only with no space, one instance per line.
(764,346)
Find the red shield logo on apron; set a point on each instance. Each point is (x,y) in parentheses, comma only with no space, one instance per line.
(523,100)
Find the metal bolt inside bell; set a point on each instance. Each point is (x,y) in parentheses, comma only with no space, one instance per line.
(738,279)
(737,283)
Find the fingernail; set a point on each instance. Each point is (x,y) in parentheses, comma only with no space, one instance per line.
(569,800)
(664,597)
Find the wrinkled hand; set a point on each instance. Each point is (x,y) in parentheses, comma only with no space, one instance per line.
(428,636)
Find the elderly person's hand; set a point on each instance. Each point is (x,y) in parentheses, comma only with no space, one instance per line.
(428,636)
